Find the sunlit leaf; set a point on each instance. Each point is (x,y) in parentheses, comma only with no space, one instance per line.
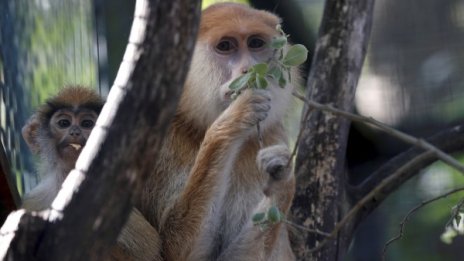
(260,68)
(279,42)
(296,55)
(240,82)
(448,236)
(275,72)
(458,223)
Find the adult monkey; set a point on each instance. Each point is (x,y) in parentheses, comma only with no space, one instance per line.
(213,175)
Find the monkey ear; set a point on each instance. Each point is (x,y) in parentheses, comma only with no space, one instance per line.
(30,133)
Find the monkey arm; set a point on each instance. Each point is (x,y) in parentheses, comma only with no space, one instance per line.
(271,243)
(209,176)
(180,229)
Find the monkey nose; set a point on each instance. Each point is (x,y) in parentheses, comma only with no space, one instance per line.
(245,70)
(75,131)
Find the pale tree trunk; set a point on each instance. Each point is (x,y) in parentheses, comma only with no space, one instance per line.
(122,149)
(336,66)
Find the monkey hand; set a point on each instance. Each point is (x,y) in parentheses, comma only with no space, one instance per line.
(252,106)
(273,160)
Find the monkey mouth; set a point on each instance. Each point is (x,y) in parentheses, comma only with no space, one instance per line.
(76,146)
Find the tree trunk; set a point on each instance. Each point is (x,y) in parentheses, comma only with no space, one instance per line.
(97,196)
(337,63)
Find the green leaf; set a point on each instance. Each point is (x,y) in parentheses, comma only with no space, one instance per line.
(273,214)
(261,82)
(296,55)
(279,42)
(282,81)
(260,68)
(252,80)
(275,72)
(240,82)
(258,217)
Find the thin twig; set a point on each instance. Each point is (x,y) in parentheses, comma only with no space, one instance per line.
(314,231)
(383,127)
(412,211)
(300,134)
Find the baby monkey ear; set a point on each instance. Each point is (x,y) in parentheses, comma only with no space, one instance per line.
(30,133)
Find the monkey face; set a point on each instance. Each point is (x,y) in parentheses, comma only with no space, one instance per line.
(232,38)
(236,54)
(70,130)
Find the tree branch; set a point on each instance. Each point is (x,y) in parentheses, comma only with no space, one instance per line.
(421,143)
(96,198)
(448,141)
(335,70)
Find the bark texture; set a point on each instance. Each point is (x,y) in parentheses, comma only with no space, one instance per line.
(336,66)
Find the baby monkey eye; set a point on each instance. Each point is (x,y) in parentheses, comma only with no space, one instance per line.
(225,46)
(64,123)
(87,124)
(256,43)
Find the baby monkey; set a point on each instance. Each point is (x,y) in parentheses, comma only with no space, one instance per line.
(57,132)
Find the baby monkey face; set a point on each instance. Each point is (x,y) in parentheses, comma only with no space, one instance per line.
(70,129)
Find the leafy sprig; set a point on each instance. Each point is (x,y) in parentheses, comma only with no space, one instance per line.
(278,68)
(270,217)
(455,226)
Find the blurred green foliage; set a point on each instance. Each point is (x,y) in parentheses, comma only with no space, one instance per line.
(60,47)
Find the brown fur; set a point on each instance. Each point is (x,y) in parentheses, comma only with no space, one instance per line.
(207,185)
(37,133)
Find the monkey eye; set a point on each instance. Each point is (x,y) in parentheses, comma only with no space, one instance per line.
(87,124)
(63,123)
(256,43)
(226,46)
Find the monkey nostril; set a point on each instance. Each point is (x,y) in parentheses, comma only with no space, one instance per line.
(244,70)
